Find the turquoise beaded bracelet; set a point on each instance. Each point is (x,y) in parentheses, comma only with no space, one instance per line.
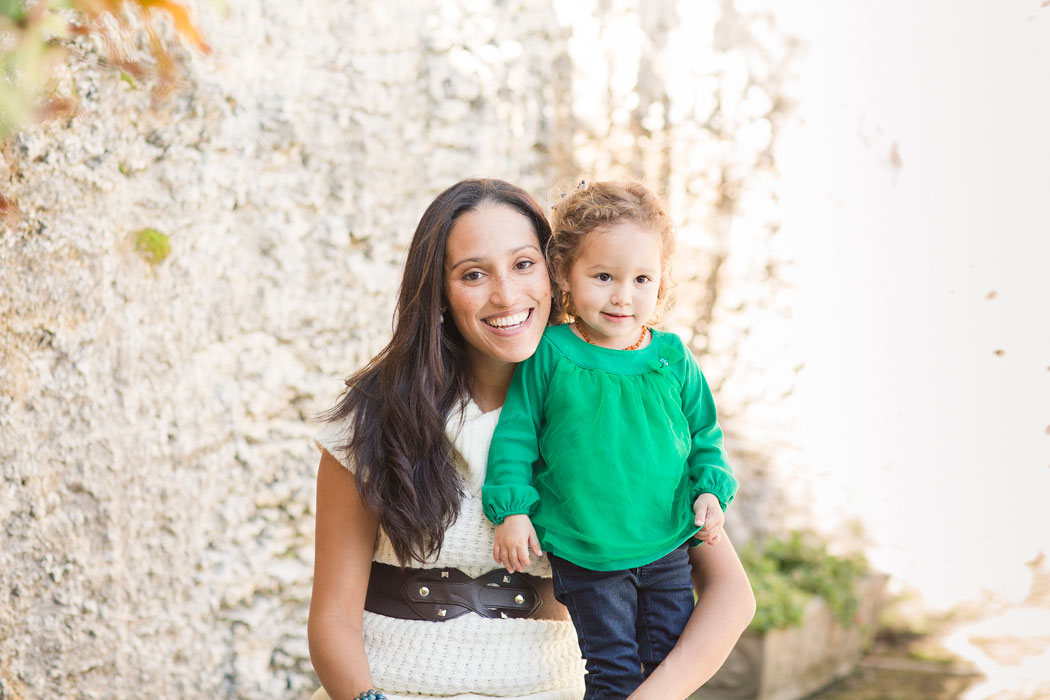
(371,694)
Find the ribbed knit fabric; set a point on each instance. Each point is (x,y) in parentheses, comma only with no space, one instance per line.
(469,656)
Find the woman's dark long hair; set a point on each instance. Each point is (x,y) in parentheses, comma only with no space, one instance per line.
(397,405)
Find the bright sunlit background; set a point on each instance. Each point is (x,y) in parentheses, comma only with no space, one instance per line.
(916,180)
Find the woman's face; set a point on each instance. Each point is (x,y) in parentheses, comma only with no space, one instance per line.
(496,284)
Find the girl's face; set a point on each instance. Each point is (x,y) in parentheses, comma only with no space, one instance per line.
(614,283)
(496,285)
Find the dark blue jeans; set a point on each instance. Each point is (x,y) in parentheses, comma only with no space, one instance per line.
(626,621)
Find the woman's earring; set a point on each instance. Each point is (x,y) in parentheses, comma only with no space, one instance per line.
(441,314)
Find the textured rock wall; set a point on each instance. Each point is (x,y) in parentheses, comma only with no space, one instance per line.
(157,469)
(156,458)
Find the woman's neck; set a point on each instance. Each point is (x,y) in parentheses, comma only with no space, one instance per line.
(489,381)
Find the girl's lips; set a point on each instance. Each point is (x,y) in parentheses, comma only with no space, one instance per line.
(617,318)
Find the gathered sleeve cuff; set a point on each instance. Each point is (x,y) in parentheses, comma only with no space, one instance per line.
(720,484)
(499,501)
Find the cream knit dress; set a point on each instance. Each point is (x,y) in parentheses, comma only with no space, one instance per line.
(469,657)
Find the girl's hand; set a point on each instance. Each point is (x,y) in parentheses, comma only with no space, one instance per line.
(709,517)
(515,536)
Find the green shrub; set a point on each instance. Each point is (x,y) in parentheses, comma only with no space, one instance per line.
(785,574)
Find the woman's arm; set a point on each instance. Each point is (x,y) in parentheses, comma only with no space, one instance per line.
(345,539)
(722,613)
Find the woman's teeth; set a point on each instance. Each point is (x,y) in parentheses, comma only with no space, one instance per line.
(508,321)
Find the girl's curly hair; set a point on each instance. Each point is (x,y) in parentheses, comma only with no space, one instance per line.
(596,206)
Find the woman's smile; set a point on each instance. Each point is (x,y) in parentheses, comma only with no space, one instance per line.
(509,322)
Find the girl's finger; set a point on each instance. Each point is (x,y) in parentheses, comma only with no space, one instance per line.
(523,555)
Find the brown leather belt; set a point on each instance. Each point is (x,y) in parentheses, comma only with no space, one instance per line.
(444,594)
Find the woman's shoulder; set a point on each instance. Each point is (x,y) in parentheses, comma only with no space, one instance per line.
(469,429)
(333,437)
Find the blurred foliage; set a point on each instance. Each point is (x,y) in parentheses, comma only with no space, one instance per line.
(152,245)
(35,37)
(785,574)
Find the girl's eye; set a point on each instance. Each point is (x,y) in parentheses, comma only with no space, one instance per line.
(642,279)
(603,277)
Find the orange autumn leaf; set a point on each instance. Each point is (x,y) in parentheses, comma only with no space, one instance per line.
(8,209)
(57,107)
(181,18)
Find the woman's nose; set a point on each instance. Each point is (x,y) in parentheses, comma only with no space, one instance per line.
(504,292)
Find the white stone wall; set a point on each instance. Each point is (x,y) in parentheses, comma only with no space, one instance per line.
(157,468)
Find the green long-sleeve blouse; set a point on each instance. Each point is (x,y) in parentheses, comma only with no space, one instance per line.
(606,450)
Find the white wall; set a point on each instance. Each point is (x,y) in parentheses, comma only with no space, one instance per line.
(915,185)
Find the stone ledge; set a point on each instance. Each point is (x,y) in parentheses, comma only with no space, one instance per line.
(786,664)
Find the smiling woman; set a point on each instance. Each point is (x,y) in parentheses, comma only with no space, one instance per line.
(474,301)
(498,293)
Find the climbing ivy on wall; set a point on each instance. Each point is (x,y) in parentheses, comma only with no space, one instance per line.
(37,36)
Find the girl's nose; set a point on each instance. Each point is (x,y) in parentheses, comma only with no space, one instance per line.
(621,296)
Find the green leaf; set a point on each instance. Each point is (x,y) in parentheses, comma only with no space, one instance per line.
(15,9)
(152,245)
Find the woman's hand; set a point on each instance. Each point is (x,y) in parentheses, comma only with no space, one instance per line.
(515,536)
(723,611)
(709,517)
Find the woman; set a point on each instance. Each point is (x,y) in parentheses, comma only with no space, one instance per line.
(402,464)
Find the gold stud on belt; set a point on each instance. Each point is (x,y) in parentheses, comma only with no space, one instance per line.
(424,591)
(519,599)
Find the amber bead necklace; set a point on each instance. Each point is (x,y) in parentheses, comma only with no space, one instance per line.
(635,346)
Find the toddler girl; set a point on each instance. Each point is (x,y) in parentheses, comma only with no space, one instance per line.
(608,453)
